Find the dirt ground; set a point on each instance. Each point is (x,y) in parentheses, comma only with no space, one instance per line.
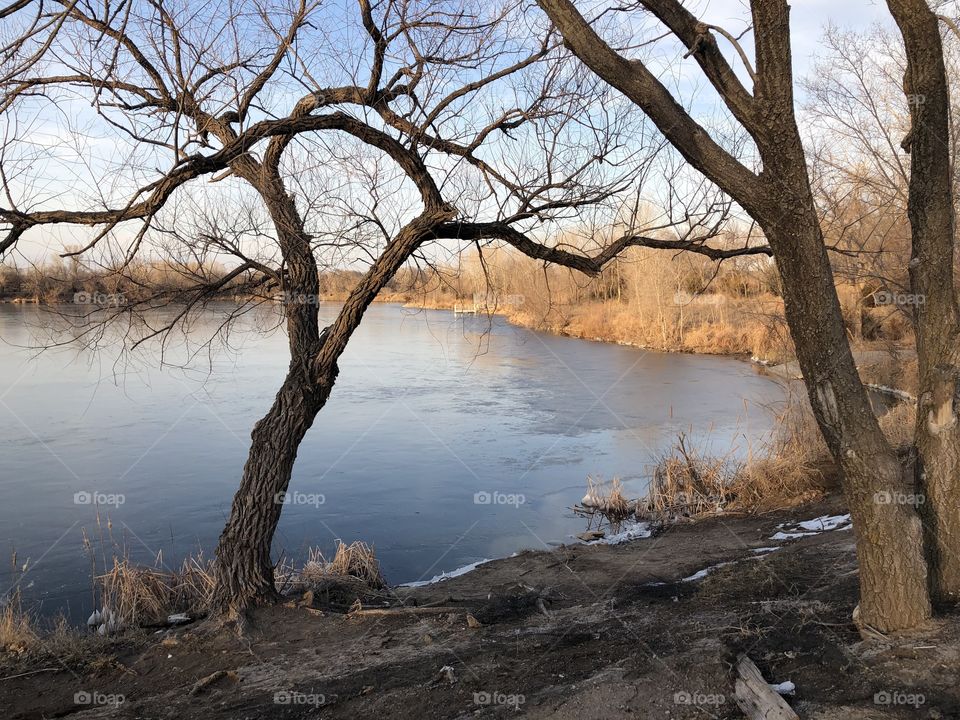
(580,632)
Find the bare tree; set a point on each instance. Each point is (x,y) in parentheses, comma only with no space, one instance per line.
(893,573)
(413,117)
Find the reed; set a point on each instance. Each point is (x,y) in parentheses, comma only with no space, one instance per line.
(357,560)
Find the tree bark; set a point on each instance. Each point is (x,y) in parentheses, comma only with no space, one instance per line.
(933,297)
(889,536)
(244,570)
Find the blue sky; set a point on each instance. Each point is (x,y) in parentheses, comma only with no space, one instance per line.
(808,19)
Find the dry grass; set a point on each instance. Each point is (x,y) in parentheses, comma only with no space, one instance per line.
(138,595)
(787,471)
(897,369)
(356,560)
(899,423)
(606,504)
(17,634)
(686,484)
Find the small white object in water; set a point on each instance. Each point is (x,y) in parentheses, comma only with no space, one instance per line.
(590,501)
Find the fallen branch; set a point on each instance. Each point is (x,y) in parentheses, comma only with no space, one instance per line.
(755,696)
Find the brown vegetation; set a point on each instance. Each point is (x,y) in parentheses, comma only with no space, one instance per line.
(788,471)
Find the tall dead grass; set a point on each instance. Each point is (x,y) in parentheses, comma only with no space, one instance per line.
(17,634)
(136,595)
(898,424)
(606,503)
(357,560)
(787,470)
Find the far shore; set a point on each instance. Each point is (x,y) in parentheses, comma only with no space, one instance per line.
(781,369)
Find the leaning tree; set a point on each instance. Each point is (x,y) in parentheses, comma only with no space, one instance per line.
(775,190)
(372,131)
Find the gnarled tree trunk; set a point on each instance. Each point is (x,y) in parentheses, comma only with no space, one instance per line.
(244,569)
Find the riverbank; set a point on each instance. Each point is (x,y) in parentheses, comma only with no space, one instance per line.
(647,629)
(746,328)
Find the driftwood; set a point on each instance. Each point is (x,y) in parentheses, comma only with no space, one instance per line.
(756,698)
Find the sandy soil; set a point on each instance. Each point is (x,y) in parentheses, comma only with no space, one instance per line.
(581,632)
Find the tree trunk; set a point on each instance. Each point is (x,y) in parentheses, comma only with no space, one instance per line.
(933,298)
(893,574)
(244,569)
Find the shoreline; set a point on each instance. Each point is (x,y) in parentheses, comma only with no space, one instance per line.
(646,629)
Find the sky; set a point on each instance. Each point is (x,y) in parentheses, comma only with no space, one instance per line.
(808,18)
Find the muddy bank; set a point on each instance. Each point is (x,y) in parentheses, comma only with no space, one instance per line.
(648,629)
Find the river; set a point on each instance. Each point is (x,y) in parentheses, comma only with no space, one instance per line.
(447,440)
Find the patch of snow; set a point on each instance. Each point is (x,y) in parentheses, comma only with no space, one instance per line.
(765,550)
(446,575)
(701,574)
(826,522)
(791,536)
(633,531)
(784,688)
(886,390)
(807,528)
